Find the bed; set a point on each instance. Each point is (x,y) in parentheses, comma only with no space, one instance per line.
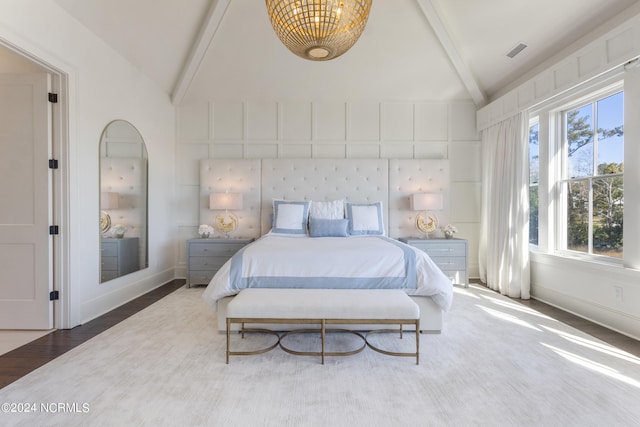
(328,224)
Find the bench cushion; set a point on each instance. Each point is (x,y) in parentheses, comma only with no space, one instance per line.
(364,304)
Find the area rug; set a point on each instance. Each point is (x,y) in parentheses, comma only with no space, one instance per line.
(496,363)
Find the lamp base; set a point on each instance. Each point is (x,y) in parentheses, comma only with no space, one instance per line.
(427,222)
(226,223)
(105,222)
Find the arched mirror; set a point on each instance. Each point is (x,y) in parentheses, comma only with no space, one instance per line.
(123,201)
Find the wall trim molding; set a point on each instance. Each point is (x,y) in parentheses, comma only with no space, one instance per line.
(608,52)
(598,314)
(588,290)
(123,294)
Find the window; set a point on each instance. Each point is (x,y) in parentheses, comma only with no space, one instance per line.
(591,187)
(534,173)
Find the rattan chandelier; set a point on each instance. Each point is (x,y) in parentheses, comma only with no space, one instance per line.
(318,30)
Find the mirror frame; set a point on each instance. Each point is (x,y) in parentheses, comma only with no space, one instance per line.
(123,200)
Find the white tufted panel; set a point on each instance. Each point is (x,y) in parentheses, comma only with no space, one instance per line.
(352,180)
(407,177)
(236,176)
(127,177)
(356,180)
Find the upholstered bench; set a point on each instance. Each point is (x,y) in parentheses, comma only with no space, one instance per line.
(323,307)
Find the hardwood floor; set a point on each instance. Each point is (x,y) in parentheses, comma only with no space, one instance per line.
(21,361)
(613,338)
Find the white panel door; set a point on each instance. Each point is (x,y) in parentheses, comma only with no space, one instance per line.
(25,250)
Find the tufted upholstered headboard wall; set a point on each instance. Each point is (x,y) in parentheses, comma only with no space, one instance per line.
(127,176)
(236,176)
(391,181)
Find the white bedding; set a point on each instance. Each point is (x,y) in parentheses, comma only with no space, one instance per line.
(331,262)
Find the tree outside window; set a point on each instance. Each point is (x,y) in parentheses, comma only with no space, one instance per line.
(594,185)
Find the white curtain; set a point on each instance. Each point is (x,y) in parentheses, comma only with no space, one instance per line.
(504,233)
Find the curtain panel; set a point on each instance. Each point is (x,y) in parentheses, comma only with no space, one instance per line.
(504,232)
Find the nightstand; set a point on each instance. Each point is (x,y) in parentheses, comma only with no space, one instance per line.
(118,257)
(206,256)
(450,255)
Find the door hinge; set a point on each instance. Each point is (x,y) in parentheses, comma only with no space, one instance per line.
(53,98)
(54,295)
(53,230)
(53,163)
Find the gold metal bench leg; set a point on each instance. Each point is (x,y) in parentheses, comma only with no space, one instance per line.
(418,342)
(322,338)
(228,337)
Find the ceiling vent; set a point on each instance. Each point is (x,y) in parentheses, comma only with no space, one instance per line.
(516,50)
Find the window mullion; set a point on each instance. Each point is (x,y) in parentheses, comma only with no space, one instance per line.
(590,227)
(596,139)
(594,172)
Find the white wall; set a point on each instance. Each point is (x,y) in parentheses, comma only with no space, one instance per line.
(331,129)
(398,56)
(587,289)
(102,87)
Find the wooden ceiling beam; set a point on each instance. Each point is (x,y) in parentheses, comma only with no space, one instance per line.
(442,33)
(199,48)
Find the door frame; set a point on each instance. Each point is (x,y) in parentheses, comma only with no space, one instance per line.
(64,316)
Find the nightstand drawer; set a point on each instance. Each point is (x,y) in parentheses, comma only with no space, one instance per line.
(206,263)
(109,248)
(214,249)
(440,249)
(108,275)
(450,263)
(109,263)
(200,277)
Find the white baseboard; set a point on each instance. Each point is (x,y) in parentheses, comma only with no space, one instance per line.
(98,306)
(618,321)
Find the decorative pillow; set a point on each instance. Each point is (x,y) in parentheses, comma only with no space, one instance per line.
(327,210)
(290,217)
(365,219)
(319,227)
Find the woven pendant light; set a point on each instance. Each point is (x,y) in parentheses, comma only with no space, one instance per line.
(318,30)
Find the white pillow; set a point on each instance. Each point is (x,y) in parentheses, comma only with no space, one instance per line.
(333,209)
(290,217)
(365,219)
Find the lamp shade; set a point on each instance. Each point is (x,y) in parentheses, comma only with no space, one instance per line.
(225,201)
(108,200)
(426,201)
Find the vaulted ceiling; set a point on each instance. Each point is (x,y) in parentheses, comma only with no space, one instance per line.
(422,49)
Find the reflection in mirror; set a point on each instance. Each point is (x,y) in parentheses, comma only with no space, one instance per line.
(123,201)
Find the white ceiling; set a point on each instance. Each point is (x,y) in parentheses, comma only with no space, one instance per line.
(429,49)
